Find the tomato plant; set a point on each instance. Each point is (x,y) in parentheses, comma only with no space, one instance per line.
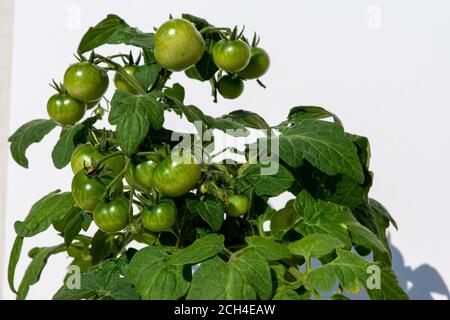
(141,182)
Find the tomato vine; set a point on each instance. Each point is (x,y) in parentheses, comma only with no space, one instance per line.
(145,208)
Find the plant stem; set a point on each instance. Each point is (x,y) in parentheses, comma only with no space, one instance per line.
(108,156)
(301,278)
(123,247)
(119,176)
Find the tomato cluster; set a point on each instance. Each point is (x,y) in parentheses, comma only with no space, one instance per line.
(179,45)
(107,183)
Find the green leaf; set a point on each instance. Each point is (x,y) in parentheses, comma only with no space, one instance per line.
(74,226)
(256,272)
(264,185)
(247,119)
(348,268)
(315,245)
(324,145)
(350,193)
(176,92)
(155,278)
(282,221)
(379,209)
(202,249)
(199,23)
(31,132)
(114,30)
(362,143)
(134,116)
(242,279)
(90,284)
(224,283)
(104,282)
(337,221)
(103,246)
(70,138)
(147,74)
(389,287)
(13,260)
(269,249)
(206,67)
(33,272)
(212,212)
(43,213)
(297,114)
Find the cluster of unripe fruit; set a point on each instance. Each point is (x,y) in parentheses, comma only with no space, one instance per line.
(98,188)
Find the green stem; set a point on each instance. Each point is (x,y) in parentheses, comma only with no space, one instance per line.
(125,243)
(118,177)
(108,156)
(301,278)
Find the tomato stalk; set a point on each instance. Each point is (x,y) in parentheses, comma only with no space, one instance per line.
(109,156)
(118,177)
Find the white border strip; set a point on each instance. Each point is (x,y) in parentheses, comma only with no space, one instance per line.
(6,26)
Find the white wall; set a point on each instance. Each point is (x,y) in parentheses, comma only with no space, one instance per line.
(382,66)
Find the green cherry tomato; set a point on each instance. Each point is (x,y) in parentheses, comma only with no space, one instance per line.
(231,55)
(142,173)
(178,45)
(64,109)
(237,205)
(258,65)
(160,217)
(230,88)
(176,174)
(86,81)
(119,81)
(112,216)
(83,154)
(88,191)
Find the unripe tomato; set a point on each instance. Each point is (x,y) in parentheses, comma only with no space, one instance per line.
(258,65)
(230,88)
(64,109)
(176,174)
(83,154)
(142,173)
(112,216)
(119,81)
(160,217)
(237,205)
(88,191)
(231,55)
(178,45)
(86,81)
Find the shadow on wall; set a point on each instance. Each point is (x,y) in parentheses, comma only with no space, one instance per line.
(420,282)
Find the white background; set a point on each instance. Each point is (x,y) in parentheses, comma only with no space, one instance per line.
(382,66)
